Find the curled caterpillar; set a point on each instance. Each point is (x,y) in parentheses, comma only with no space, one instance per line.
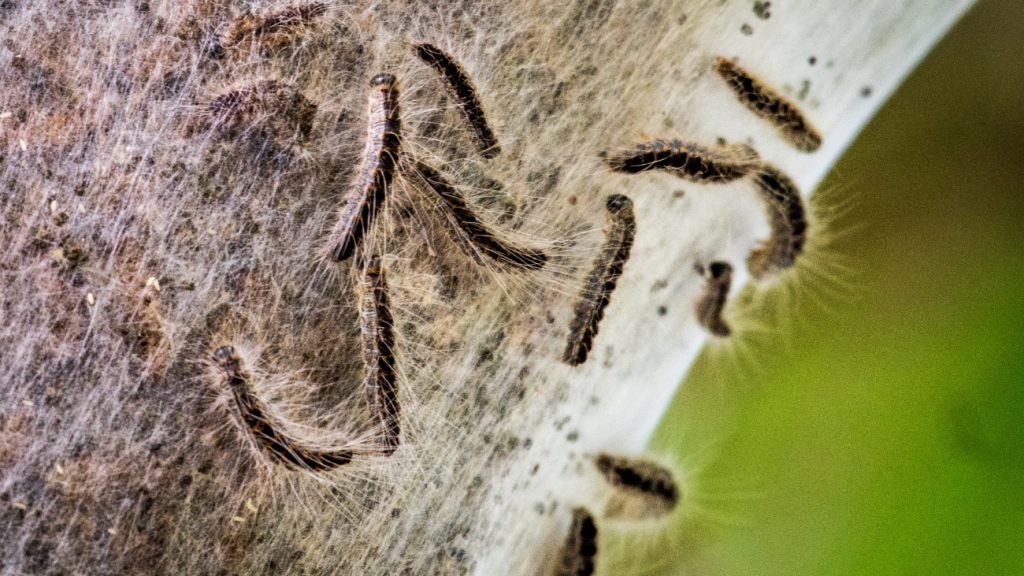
(642,478)
(688,161)
(378,334)
(380,158)
(596,292)
(769,105)
(270,104)
(718,278)
(787,219)
(579,553)
(265,430)
(463,92)
(271,29)
(466,229)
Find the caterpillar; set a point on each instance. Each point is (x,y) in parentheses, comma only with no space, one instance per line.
(378,339)
(463,91)
(579,552)
(271,29)
(769,105)
(472,235)
(718,278)
(639,477)
(619,234)
(787,219)
(265,430)
(278,105)
(380,158)
(685,160)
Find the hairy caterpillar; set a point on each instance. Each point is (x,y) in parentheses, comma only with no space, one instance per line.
(472,235)
(769,105)
(464,92)
(270,103)
(380,158)
(579,553)
(265,430)
(709,307)
(271,29)
(787,219)
(597,290)
(378,336)
(639,477)
(688,161)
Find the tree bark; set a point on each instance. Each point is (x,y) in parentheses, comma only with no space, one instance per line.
(169,185)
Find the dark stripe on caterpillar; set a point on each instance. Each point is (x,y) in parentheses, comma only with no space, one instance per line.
(378,334)
(579,553)
(271,29)
(619,234)
(463,91)
(380,158)
(466,229)
(265,430)
(769,105)
(688,161)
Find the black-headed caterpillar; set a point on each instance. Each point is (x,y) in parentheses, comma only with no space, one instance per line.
(272,29)
(464,93)
(596,292)
(380,159)
(578,556)
(711,304)
(266,431)
(788,222)
(378,339)
(472,235)
(769,105)
(688,161)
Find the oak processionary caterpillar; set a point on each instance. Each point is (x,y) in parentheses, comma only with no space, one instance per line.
(271,29)
(718,278)
(769,105)
(377,326)
(271,103)
(639,477)
(380,158)
(470,233)
(265,430)
(788,223)
(464,92)
(579,553)
(688,161)
(597,290)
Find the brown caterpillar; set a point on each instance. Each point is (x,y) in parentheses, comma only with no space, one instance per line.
(579,553)
(268,103)
(769,105)
(639,477)
(718,278)
(266,431)
(597,290)
(688,161)
(380,157)
(463,91)
(271,29)
(788,223)
(378,334)
(466,229)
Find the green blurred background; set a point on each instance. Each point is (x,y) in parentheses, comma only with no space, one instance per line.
(883,433)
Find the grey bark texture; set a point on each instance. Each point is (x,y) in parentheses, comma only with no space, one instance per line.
(168,182)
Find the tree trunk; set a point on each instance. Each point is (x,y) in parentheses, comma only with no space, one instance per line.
(162,199)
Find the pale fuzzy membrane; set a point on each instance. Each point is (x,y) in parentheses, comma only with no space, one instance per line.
(116,455)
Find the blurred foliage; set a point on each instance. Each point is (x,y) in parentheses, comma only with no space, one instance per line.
(884,434)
